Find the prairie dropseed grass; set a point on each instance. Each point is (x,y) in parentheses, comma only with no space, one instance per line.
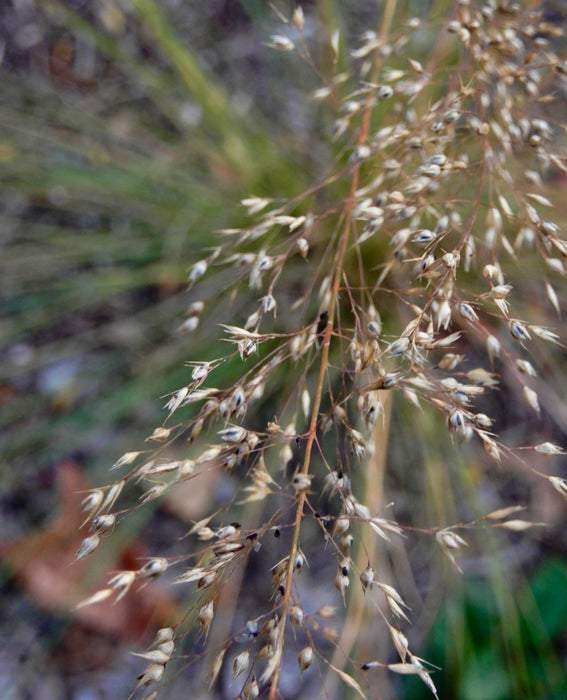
(409,296)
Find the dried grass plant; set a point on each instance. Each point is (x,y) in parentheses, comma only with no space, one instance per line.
(410,295)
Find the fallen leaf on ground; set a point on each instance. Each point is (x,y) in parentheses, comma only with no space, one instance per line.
(43,565)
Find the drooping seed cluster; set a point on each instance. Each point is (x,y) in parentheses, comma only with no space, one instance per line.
(396,273)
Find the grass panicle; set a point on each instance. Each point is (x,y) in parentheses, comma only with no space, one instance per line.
(387,353)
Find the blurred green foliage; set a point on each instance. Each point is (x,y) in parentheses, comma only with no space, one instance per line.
(498,639)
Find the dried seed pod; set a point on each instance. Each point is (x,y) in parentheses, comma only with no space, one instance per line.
(126,458)
(269,304)
(281,43)
(153,674)
(384,92)
(342,524)
(493,348)
(188,326)
(467,311)
(204,618)
(532,399)
(207,580)
(481,420)
(103,524)
(345,543)
(197,271)
(518,330)
(526,367)
(342,583)
(204,534)
(301,482)
(305,658)
(251,690)
(215,668)
(112,495)
(336,481)
(285,456)
(163,635)
(296,616)
(233,434)
(359,154)
(381,526)
(159,435)
(358,444)
(545,334)
(298,17)
(154,492)
(97,597)
(374,329)
(394,600)
(300,561)
(200,373)
(450,542)
(121,582)
(490,446)
(92,503)
(88,546)
(400,642)
(228,531)
(158,656)
(548,448)
(559,484)
(457,422)
(240,664)
(154,568)
(367,577)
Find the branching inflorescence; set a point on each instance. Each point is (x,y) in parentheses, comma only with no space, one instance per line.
(391,276)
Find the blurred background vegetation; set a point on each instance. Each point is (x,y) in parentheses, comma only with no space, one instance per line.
(129,131)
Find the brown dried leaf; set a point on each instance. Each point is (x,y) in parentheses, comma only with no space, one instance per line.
(42,564)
